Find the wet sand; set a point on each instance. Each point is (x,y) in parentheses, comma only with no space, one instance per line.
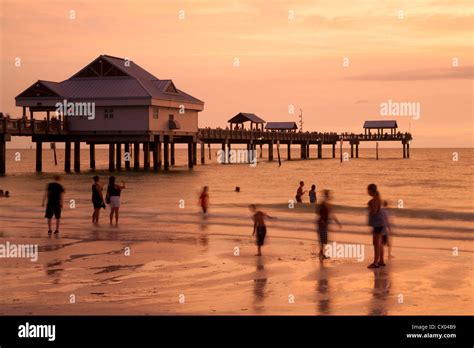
(197,272)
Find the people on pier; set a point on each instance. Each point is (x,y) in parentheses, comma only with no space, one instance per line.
(259,227)
(54,196)
(312,194)
(300,192)
(97,199)
(204,199)
(325,215)
(113,198)
(377,222)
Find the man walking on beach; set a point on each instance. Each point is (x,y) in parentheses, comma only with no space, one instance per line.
(259,227)
(54,194)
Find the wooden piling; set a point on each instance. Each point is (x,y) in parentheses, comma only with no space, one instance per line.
(160,158)
(357,150)
(209,149)
(111,157)
(3,155)
(270,151)
(39,156)
(408,150)
(203,154)
(320,149)
(118,156)
(127,155)
(166,153)
(53,146)
(136,156)
(224,153)
(352,150)
(278,152)
(67,156)
(190,155)
(404,151)
(172,153)
(156,163)
(288,155)
(194,152)
(334,150)
(92,156)
(228,155)
(377,150)
(146,155)
(77,156)
(340,149)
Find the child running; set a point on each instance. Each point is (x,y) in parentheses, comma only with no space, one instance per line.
(259,227)
(324,210)
(300,192)
(204,199)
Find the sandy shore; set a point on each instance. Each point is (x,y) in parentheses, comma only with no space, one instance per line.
(199,273)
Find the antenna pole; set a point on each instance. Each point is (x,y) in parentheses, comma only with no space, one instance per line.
(301,120)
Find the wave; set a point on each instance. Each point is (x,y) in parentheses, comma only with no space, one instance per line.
(433,214)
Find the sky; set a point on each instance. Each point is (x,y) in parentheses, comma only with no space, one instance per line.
(336,60)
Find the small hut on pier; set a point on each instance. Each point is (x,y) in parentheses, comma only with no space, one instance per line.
(380,126)
(238,121)
(281,126)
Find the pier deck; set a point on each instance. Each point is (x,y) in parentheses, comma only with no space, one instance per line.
(153,142)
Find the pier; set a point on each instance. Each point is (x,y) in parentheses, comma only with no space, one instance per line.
(137,147)
(114,102)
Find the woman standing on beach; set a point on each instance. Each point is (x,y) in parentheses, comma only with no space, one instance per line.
(97,199)
(113,198)
(376,220)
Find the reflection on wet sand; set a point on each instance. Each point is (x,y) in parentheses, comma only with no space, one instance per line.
(203,238)
(54,270)
(260,282)
(322,289)
(382,284)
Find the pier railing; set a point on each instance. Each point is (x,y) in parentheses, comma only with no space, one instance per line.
(258,135)
(375,137)
(22,126)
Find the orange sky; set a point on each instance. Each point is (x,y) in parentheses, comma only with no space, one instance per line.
(403,56)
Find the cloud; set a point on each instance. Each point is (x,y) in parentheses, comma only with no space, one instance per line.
(453,73)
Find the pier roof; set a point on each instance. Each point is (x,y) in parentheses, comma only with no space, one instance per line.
(381,124)
(242,117)
(281,126)
(110,77)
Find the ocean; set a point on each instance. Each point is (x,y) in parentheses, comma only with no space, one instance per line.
(430,193)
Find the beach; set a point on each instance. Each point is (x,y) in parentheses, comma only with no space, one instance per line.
(165,259)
